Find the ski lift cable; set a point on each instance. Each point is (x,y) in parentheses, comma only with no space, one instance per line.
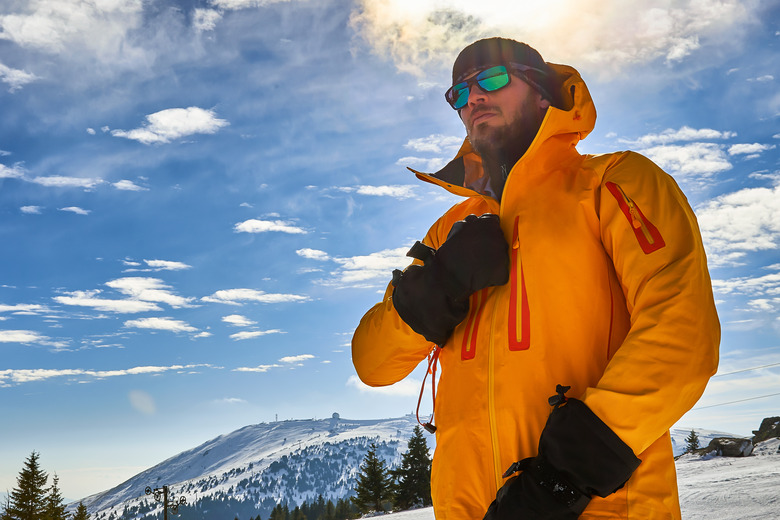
(734,402)
(747,370)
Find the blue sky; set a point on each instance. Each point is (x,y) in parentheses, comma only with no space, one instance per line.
(200,199)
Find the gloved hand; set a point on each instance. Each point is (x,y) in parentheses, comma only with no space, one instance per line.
(433,298)
(579,456)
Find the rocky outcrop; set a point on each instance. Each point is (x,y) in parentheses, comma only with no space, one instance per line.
(769,429)
(729,447)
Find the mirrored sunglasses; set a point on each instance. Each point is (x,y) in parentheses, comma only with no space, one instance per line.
(489,80)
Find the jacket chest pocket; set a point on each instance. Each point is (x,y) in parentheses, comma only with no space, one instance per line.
(519,313)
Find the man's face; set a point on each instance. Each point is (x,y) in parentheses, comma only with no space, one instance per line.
(504,119)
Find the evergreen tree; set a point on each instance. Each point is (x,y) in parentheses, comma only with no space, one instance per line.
(81,512)
(54,508)
(413,479)
(27,501)
(691,442)
(374,486)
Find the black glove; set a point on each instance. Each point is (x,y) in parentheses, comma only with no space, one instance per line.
(434,297)
(579,456)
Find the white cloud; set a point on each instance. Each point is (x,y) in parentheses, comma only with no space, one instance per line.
(205,19)
(89,299)
(238,320)
(14,172)
(31,210)
(20,336)
(173,123)
(696,159)
(22,308)
(167,265)
(264,226)
(435,143)
(684,133)
(398,192)
(249,334)
(241,296)
(260,368)
(148,290)
(312,254)
(422,35)
(77,210)
(752,148)
(369,270)
(91,131)
(405,388)
(14,78)
(168,324)
(296,359)
(11,376)
(59,181)
(422,164)
(746,220)
(126,185)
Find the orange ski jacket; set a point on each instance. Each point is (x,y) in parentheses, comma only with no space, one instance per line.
(609,293)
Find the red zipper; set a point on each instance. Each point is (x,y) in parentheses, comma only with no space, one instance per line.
(646,233)
(523,341)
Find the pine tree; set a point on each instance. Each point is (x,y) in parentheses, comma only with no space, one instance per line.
(374,486)
(81,512)
(54,508)
(692,442)
(27,501)
(413,479)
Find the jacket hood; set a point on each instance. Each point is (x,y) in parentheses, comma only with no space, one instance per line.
(573,120)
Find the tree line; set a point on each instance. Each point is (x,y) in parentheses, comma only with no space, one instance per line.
(31,499)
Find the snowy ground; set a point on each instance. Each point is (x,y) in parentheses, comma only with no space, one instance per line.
(718,488)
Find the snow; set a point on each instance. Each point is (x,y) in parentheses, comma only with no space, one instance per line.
(712,488)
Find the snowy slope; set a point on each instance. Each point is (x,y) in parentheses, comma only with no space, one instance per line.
(716,488)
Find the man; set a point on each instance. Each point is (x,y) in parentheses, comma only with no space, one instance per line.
(577,277)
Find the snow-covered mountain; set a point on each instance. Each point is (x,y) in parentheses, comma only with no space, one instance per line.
(247,472)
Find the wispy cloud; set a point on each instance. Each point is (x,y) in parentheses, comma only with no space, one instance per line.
(11,172)
(241,296)
(260,368)
(167,324)
(126,185)
(20,336)
(149,290)
(365,271)
(11,376)
(296,359)
(238,320)
(265,226)
(23,308)
(174,123)
(312,254)
(77,210)
(684,133)
(423,35)
(60,181)
(167,265)
(90,299)
(398,192)
(31,210)
(15,78)
(735,223)
(250,334)
(749,148)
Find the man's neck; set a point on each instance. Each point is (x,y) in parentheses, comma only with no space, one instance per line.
(498,165)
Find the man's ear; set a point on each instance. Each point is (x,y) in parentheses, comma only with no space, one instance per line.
(543,103)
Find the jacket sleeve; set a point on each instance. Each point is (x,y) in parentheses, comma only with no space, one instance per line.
(671,349)
(384,348)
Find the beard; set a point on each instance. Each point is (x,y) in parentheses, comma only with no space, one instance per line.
(505,145)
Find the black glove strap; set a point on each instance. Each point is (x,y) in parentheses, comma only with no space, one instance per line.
(556,484)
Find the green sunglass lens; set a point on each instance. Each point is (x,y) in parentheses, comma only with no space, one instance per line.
(493,78)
